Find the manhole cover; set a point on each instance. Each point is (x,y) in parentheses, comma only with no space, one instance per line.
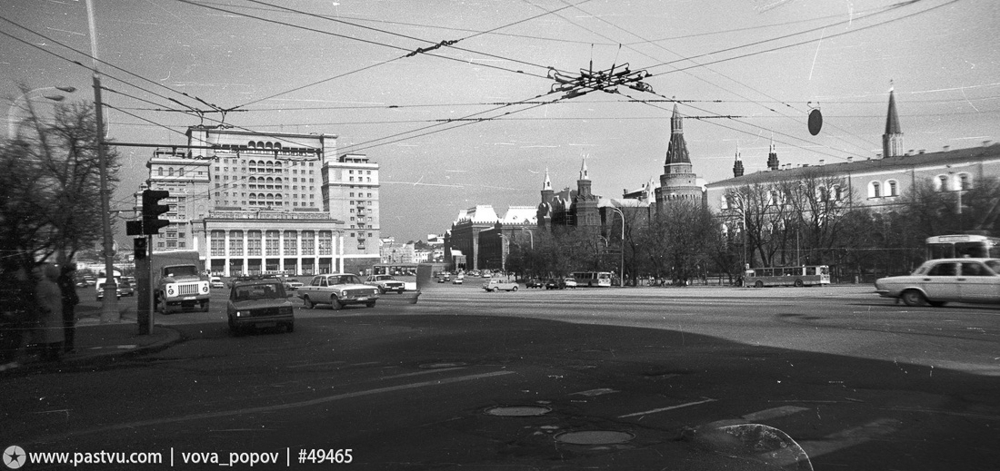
(594,437)
(518,411)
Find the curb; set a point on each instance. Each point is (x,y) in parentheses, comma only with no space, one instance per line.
(98,356)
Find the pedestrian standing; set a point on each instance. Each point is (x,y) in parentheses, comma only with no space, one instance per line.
(69,301)
(16,308)
(50,320)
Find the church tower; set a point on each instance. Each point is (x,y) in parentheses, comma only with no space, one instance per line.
(892,140)
(547,188)
(738,166)
(772,158)
(585,203)
(678,181)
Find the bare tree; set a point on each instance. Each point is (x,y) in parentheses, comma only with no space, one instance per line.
(50,194)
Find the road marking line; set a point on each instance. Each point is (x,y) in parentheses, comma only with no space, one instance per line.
(318,364)
(293,405)
(774,413)
(425,372)
(594,392)
(662,409)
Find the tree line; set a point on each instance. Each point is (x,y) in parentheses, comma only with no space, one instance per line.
(815,219)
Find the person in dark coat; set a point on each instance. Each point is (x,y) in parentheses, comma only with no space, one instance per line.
(69,301)
(50,320)
(16,315)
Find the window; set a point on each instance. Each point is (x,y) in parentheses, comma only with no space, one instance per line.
(974,269)
(941,183)
(291,243)
(892,188)
(965,181)
(943,269)
(325,243)
(236,243)
(874,190)
(253,243)
(271,241)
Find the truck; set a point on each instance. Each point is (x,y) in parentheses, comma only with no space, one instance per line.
(178,281)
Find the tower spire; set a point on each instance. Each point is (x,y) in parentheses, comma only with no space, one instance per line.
(738,166)
(772,157)
(892,140)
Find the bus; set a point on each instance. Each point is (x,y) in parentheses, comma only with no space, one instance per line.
(962,245)
(397,269)
(593,278)
(805,275)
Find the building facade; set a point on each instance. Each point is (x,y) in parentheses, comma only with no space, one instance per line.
(255,203)
(880,183)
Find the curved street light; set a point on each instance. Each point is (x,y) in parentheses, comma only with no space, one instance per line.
(12,123)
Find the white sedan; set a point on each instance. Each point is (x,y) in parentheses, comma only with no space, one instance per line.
(936,282)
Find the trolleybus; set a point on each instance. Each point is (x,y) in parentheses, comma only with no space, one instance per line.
(805,275)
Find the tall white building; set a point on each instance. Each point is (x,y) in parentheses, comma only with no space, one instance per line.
(254,203)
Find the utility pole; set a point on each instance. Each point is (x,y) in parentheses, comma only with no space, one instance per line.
(109,307)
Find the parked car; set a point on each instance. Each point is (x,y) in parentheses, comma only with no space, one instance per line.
(497,284)
(216,282)
(126,288)
(386,283)
(259,303)
(292,284)
(936,282)
(555,283)
(569,282)
(534,283)
(100,288)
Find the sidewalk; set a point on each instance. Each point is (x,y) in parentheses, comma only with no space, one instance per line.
(97,343)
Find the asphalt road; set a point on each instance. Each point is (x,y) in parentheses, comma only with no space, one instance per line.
(643,374)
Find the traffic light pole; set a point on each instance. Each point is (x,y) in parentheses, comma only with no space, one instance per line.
(144,312)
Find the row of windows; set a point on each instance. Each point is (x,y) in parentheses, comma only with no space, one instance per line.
(890,188)
(261,146)
(180,172)
(263,163)
(268,169)
(272,242)
(270,196)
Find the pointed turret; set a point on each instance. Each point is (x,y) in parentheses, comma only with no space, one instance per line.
(677,152)
(738,166)
(583,184)
(547,191)
(892,140)
(772,157)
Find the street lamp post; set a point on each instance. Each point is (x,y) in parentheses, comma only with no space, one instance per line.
(12,124)
(621,274)
(503,255)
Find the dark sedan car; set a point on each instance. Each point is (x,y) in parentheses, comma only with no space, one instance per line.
(534,283)
(555,283)
(259,303)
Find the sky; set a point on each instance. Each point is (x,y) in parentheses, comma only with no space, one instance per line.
(453,99)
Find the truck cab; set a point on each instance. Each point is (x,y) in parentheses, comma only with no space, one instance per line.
(178,282)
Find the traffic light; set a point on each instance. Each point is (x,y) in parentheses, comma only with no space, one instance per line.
(152,209)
